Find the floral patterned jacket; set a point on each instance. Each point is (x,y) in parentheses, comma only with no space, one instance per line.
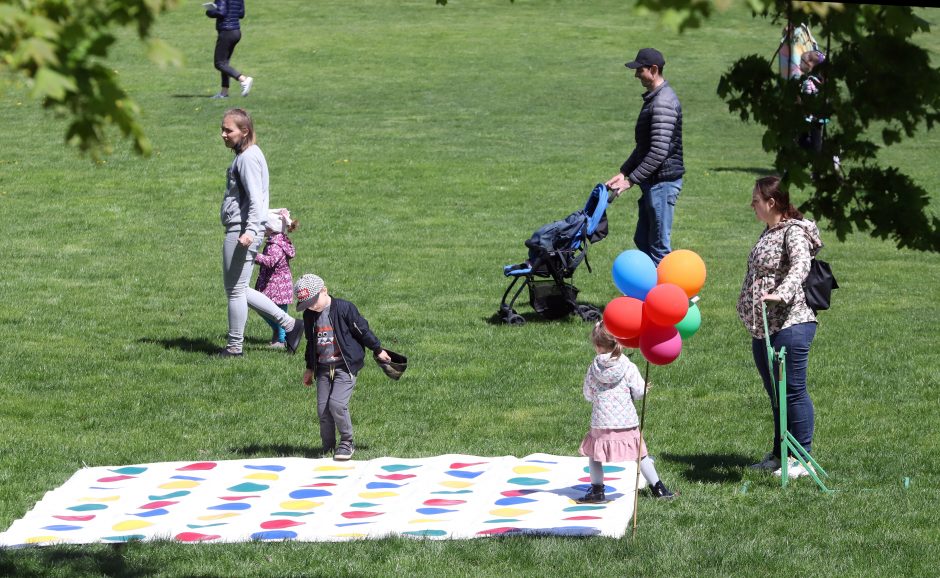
(773,268)
(274,276)
(611,384)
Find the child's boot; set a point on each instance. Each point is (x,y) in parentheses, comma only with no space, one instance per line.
(594,496)
(659,490)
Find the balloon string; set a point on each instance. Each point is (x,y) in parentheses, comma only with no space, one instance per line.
(636,491)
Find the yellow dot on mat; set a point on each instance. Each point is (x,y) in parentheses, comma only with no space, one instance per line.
(332,468)
(377,494)
(40,539)
(509,512)
(218,516)
(262,476)
(131,525)
(104,499)
(300,504)
(456,484)
(179,484)
(530,469)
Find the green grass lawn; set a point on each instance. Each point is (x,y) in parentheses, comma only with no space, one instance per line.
(420,146)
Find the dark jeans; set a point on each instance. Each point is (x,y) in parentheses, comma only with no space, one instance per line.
(224,47)
(800,415)
(654,218)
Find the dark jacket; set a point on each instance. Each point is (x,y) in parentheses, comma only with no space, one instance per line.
(227,13)
(658,153)
(351,331)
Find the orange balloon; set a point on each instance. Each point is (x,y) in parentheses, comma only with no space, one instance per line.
(666,304)
(683,268)
(623,317)
(631,342)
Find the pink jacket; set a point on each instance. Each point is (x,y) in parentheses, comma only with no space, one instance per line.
(274,276)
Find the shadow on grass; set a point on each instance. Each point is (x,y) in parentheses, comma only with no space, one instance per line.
(185,344)
(70,561)
(532,316)
(711,467)
(283,451)
(752,170)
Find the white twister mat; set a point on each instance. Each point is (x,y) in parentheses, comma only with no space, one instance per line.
(445,497)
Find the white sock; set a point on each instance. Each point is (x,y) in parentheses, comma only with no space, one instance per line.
(649,471)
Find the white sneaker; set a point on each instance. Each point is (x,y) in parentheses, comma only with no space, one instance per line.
(794,470)
(770,462)
(246,85)
(219,95)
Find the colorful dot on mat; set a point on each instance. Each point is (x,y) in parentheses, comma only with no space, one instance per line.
(528,481)
(502,521)
(514,493)
(199,526)
(101,499)
(428,520)
(196,537)
(218,516)
(434,511)
(459,465)
(441,502)
(178,485)
(331,477)
(249,487)
(269,468)
(262,476)
(125,538)
(541,462)
(190,478)
(332,468)
(510,512)
(274,535)
(451,492)
(278,524)
(152,513)
(41,539)
(455,484)
(584,518)
(61,527)
(354,514)
(497,531)
(155,505)
(198,466)
(373,495)
(587,479)
(110,479)
(395,477)
(398,467)
(363,505)
(230,506)
(87,507)
(614,468)
(130,470)
(75,518)
(426,533)
(380,485)
(582,508)
(513,501)
(530,469)
(344,524)
(300,504)
(171,495)
(309,493)
(131,525)
(462,474)
(293,514)
(236,498)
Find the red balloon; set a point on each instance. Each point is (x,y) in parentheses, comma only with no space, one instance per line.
(666,304)
(631,342)
(660,345)
(623,317)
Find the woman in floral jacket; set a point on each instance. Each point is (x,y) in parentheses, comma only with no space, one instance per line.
(776,269)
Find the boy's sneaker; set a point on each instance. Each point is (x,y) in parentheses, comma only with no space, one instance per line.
(769,463)
(344,451)
(246,85)
(227,352)
(660,491)
(794,470)
(219,95)
(294,336)
(594,496)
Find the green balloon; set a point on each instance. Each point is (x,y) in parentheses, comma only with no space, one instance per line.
(690,323)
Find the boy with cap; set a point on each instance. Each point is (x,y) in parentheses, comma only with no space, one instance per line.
(656,162)
(337,337)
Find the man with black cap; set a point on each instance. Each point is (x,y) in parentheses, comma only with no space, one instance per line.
(656,162)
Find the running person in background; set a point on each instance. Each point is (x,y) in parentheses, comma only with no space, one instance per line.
(227,14)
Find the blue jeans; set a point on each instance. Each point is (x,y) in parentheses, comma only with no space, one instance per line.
(654,218)
(800,415)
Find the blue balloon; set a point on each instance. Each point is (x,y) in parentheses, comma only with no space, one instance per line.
(634,273)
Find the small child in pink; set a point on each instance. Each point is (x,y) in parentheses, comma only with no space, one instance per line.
(274,275)
(611,384)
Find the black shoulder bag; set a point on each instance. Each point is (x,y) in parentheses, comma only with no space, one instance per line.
(819,281)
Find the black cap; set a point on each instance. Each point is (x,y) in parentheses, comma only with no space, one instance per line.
(647,57)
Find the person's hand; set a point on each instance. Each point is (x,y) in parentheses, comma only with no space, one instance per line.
(617,184)
(307,379)
(246,240)
(384,357)
(771,297)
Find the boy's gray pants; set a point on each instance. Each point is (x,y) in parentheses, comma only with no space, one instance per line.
(237,262)
(333,394)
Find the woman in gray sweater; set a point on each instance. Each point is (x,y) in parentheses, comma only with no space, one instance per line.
(244,211)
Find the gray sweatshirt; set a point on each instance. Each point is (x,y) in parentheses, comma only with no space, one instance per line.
(245,204)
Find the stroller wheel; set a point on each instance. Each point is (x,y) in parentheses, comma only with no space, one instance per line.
(515,319)
(589,313)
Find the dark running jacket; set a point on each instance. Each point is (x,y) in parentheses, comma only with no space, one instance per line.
(227,13)
(658,153)
(351,331)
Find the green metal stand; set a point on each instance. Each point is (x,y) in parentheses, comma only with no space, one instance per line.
(788,443)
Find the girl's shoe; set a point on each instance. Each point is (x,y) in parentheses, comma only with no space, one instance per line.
(594,496)
(794,470)
(660,491)
(277,345)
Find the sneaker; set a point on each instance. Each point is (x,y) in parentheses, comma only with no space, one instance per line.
(594,496)
(794,470)
(227,352)
(660,491)
(219,95)
(344,451)
(277,345)
(246,85)
(769,463)
(294,336)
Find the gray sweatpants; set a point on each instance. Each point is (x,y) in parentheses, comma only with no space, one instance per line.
(237,262)
(333,394)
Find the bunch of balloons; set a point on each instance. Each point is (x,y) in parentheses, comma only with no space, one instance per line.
(655,313)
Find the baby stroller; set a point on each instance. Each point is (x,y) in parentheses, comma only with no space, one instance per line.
(555,251)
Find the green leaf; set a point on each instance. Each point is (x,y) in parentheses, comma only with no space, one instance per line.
(50,84)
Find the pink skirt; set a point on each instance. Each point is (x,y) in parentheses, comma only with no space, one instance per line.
(613,445)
